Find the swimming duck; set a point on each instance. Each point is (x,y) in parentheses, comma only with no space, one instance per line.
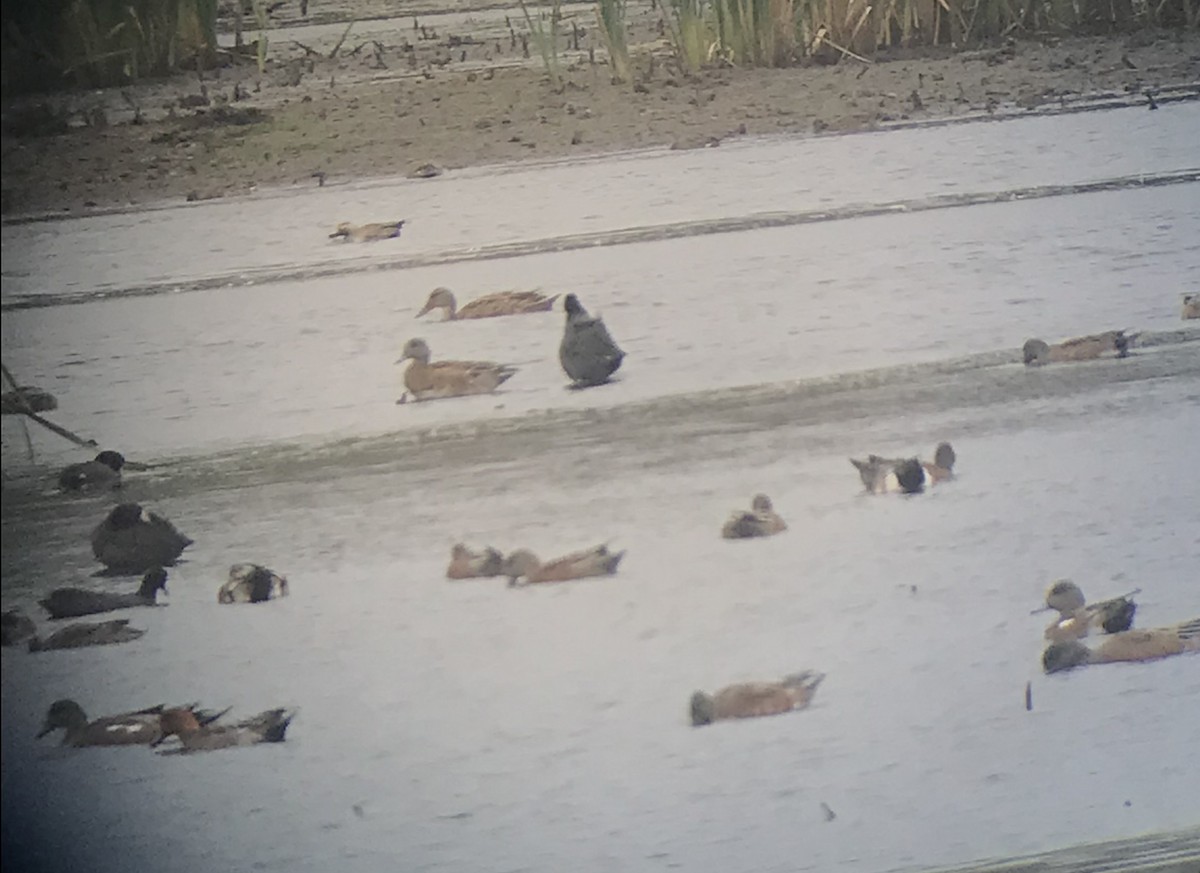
(132,540)
(1191,306)
(906,475)
(142,727)
(15,627)
(598,561)
(1130,645)
(488,306)
(426,381)
(367,232)
(102,472)
(252,583)
(266,727)
(761,521)
(76,636)
(1076,617)
(1083,348)
(587,352)
(74,602)
(754,699)
(465,564)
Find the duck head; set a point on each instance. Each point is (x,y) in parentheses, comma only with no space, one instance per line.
(1064,596)
(572,306)
(415,350)
(113,460)
(762,503)
(440,298)
(944,457)
(65,714)
(1064,656)
(910,475)
(701,709)
(154,581)
(520,563)
(126,515)
(1035,351)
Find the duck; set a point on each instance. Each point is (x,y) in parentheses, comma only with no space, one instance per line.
(755,699)
(80,634)
(426,381)
(465,564)
(141,727)
(587,352)
(74,602)
(194,736)
(488,306)
(252,583)
(906,475)
(367,232)
(15,627)
(1191,306)
(103,472)
(1130,645)
(597,561)
(1083,348)
(1076,617)
(132,540)
(760,521)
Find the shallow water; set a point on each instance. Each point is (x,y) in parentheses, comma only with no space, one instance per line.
(465,726)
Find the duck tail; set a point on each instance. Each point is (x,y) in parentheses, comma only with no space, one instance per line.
(614,560)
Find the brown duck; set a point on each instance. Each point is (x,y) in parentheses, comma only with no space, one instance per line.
(760,521)
(1130,645)
(431,381)
(1082,348)
(488,306)
(597,561)
(367,232)
(195,736)
(754,699)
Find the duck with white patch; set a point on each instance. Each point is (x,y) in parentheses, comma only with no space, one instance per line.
(101,473)
(252,583)
(132,540)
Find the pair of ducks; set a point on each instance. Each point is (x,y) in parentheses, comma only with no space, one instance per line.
(906,475)
(1084,348)
(1113,617)
(524,565)
(196,729)
(587,352)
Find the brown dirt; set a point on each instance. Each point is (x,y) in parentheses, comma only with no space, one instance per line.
(386,105)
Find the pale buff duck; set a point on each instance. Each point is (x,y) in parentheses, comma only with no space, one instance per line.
(426,381)
(266,727)
(465,564)
(367,232)
(1076,617)
(252,583)
(755,699)
(1191,306)
(906,475)
(488,306)
(760,521)
(1083,348)
(1130,645)
(598,561)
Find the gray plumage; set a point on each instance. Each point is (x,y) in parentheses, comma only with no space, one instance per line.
(76,636)
(587,353)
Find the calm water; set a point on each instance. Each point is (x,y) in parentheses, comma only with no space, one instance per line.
(463,726)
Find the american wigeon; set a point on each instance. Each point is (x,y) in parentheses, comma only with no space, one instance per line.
(488,306)
(587,352)
(141,727)
(465,564)
(367,232)
(132,540)
(104,471)
(1082,348)
(76,636)
(1191,306)
(1076,617)
(906,475)
(760,521)
(251,583)
(74,602)
(1130,645)
(426,381)
(755,699)
(15,627)
(266,727)
(596,561)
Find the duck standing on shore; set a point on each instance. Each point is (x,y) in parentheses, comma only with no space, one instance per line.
(587,352)
(132,540)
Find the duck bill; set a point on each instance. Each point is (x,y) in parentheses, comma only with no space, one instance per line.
(426,308)
(45,730)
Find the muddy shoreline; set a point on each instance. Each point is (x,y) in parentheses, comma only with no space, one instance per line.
(385,104)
